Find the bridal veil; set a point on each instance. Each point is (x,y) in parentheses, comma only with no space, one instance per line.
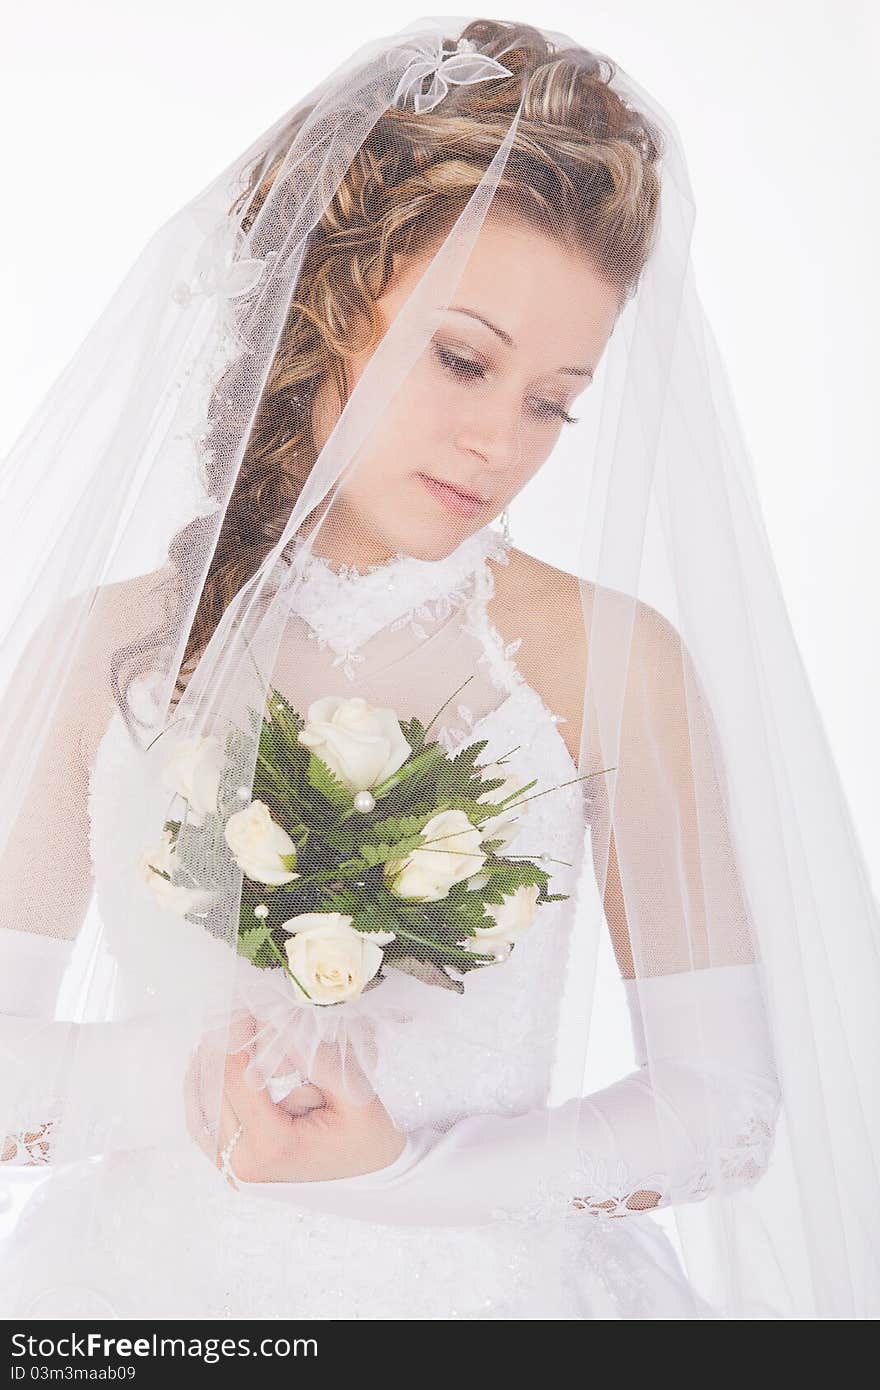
(247,402)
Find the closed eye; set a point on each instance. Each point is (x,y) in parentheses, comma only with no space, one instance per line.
(463,369)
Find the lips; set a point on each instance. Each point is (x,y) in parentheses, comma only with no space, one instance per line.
(456,499)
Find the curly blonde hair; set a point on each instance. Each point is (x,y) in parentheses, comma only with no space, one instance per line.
(581,168)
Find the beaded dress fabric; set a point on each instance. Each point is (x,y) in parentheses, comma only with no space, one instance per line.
(444,1056)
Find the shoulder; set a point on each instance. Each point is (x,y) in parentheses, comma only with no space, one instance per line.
(535,589)
(547,608)
(552,610)
(554,601)
(128,610)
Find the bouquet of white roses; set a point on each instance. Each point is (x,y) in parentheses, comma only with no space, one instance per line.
(362,846)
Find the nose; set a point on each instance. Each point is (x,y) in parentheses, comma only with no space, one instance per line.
(491,431)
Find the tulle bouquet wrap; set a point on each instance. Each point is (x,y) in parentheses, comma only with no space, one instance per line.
(362,845)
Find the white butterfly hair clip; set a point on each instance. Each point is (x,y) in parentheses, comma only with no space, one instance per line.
(462,65)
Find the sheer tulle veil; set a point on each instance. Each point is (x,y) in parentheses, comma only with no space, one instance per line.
(462,262)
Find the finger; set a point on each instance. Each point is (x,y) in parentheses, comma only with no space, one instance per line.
(288,1069)
(301,1099)
(250,1100)
(287,1072)
(204,1091)
(242,1030)
(231,1091)
(340,1076)
(233,1038)
(333,1075)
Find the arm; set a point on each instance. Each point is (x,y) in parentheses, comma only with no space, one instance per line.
(698,1118)
(60,1080)
(45,862)
(703,1108)
(31,970)
(45,873)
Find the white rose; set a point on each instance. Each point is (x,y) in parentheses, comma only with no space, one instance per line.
(505,825)
(427,872)
(193,771)
(331,960)
(511,919)
(361,743)
(171,897)
(258,842)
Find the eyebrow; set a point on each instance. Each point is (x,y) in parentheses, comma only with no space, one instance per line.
(506,338)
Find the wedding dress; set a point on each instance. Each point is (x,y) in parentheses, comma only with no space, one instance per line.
(490,1050)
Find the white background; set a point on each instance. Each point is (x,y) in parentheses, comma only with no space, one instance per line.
(113,116)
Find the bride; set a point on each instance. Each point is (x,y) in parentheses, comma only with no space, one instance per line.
(401,922)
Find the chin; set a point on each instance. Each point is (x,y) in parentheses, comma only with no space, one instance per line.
(431,543)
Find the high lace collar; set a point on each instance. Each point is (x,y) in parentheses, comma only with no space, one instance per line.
(345,607)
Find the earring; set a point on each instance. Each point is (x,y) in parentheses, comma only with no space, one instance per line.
(505,524)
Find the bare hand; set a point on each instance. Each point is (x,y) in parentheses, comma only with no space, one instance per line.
(317,1132)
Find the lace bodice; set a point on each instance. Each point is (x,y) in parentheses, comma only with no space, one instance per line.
(491,1048)
(346,607)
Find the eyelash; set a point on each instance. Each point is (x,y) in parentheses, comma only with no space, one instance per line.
(461,368)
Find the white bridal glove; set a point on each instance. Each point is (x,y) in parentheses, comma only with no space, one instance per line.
(697,1116)
(31,970)
(44,1060)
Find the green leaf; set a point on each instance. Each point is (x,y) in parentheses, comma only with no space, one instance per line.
(328,784)
(413,731)
(374,916)
(288,712)
(494,808)
(464,767)
(395,828)
(506,875)
(254,944)
(414,767)
(382,853)
(343,901)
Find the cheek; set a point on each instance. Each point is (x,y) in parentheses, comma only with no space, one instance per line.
(394,447)
(423,410)
(429,402)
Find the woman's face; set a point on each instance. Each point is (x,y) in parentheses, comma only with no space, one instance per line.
(484,405)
